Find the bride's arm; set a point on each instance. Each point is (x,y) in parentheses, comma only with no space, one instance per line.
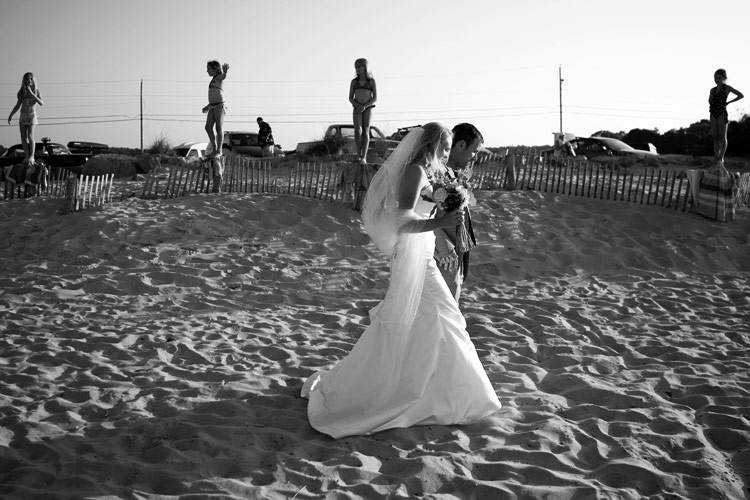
(410,187)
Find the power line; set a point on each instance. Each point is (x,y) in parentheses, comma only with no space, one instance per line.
(81,122)
(85,117)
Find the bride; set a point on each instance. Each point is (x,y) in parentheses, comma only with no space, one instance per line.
(415,364)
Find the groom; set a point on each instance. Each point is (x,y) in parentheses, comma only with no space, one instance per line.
(454,265)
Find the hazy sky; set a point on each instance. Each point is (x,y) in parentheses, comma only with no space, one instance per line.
(640,63)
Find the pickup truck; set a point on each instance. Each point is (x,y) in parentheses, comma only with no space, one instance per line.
(344,134)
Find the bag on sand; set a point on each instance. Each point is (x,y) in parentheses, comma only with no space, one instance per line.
(716,193)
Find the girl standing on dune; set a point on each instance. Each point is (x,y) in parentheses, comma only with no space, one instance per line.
(216,107)
(363,94)
(28,97)
(717,107)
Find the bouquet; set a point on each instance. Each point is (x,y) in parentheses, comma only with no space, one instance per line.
(455,193)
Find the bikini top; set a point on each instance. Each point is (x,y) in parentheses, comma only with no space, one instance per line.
(359,85)
(215,91)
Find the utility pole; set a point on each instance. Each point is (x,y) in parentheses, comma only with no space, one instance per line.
(561,82)
(142,115)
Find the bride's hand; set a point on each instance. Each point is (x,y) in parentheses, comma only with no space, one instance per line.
(453,218)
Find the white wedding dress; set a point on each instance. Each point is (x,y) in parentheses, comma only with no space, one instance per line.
(430,374)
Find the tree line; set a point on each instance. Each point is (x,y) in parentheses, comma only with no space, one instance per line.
(692,140)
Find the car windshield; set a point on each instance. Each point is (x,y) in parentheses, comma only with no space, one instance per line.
(180,151)
(52,148)
(614,144)
(243,139)
(40,149)
(348,132)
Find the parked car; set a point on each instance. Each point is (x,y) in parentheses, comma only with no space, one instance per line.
(401,132)
(53,154)
(344,132)
(190,150)
(240,143)
(645,146)
(594,147)
(42,148)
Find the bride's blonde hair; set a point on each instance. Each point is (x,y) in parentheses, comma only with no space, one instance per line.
(427,151)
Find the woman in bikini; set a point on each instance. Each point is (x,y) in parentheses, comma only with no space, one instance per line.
(216,107)
(717,106)
(362,95)
(28,97)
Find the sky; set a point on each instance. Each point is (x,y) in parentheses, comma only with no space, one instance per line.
(496,63)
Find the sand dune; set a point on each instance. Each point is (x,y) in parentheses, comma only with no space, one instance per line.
(156,349)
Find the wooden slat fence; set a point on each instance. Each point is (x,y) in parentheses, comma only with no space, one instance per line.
(85,191)
(336,182)
(241,175)
(52,185)
(518,168)
(332,182)
(572,177)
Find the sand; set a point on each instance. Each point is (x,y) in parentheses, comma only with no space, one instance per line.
(156,349)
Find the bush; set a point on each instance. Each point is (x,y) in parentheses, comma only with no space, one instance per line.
(161,145)
(695,139)
(329,146)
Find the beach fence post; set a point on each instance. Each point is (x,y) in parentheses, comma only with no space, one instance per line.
(582,178)
(302,169)
(650,187)
(319,173)
(264,176)
(509,172)
(533,176)
(561,179)
(261,177)
(308,179)
(630,186)
(656,189)
(80,200)
(71,189)
(520,170)
(169,185)
(295,182)
(331,168)
(548,170)
(329,184)
(554,164)
(671,189)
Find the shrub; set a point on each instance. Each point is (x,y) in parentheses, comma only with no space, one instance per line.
(161,145)
(329,146)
